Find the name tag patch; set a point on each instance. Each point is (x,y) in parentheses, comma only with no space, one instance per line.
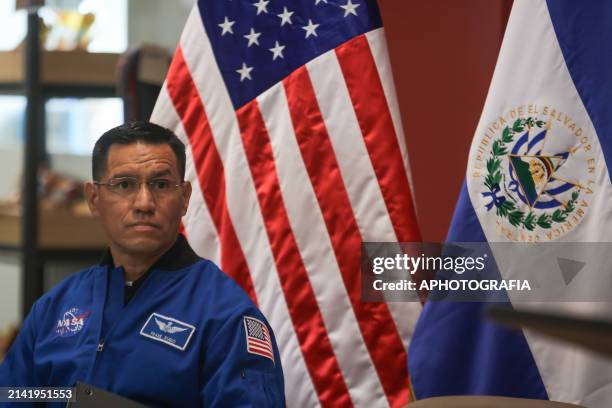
(168,330)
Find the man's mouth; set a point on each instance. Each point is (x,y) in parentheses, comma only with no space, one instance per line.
(143,226)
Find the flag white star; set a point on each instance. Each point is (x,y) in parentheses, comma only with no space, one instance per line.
(350,8)
(285,16)
(319,1)
(277,51)
(261,6)
(226,26)
(311,28)
(245,72)
(253,37)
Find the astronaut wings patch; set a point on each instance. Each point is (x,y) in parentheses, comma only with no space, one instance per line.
(258,338)
(168,330)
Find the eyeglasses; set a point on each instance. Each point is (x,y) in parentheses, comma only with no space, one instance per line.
(128,187)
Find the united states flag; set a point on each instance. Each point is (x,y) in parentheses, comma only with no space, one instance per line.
(258,339)
(296,154)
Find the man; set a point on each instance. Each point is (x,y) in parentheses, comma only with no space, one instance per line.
(152,322)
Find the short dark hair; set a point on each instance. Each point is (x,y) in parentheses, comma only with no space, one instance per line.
(133,132)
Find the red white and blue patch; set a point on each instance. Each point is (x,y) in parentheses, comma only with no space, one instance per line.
(258,338)
(71,322)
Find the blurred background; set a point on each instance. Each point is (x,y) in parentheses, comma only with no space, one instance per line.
(103,63)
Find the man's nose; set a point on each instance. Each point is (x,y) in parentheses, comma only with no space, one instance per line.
(144,200)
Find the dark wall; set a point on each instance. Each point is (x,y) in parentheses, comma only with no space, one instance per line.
(443,53)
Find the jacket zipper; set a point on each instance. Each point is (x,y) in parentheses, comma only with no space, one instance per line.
(101,345)
(102,340)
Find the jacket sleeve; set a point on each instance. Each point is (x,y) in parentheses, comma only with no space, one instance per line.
(233,375)
(17,368)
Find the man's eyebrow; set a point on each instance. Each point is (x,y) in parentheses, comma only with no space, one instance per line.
(123,175)
(159,173)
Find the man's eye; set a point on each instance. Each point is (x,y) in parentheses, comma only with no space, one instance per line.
(124,185)
(160,184)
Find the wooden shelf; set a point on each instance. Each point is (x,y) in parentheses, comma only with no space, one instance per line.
(72,68)
(58,230)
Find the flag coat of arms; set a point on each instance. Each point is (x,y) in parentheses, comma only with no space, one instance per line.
(296,155)
(538,172)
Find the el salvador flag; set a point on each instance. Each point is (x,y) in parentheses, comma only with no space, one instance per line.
(538,171)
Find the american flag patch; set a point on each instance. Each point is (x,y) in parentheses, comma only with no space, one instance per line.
(258,338)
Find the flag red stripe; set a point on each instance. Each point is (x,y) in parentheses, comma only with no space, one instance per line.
(261,346)
(261,349)
(375,321)
(265,352)
(256,339)
(261,343)
(261,353)
(209,166)
(368,98)
(303,308)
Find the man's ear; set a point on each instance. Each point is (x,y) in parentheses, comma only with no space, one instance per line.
(91,195)
(186,196)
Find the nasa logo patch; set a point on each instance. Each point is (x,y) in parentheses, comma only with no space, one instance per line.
(71,322)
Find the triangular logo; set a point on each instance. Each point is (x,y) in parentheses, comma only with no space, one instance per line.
(533,174)
(569,268)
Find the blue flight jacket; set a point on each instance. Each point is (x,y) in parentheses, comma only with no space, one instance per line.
(189,337)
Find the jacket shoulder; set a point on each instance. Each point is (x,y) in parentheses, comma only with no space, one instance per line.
(210,275)
(224,296)
(75,281)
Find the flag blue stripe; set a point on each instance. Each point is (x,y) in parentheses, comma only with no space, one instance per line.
(523,139)
(540,136)
(456,351)
(565,187)
(584,32)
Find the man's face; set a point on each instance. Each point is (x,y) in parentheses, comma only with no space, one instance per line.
(145,221)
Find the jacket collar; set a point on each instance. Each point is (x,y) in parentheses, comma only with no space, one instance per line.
(179,256)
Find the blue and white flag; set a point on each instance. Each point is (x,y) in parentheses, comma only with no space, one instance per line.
(538,171)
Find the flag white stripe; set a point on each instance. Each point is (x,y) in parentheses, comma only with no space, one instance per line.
(198,223)
(317,252)
(378,47)
(404,314)
(357,171)
(244,209)
(351,153)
